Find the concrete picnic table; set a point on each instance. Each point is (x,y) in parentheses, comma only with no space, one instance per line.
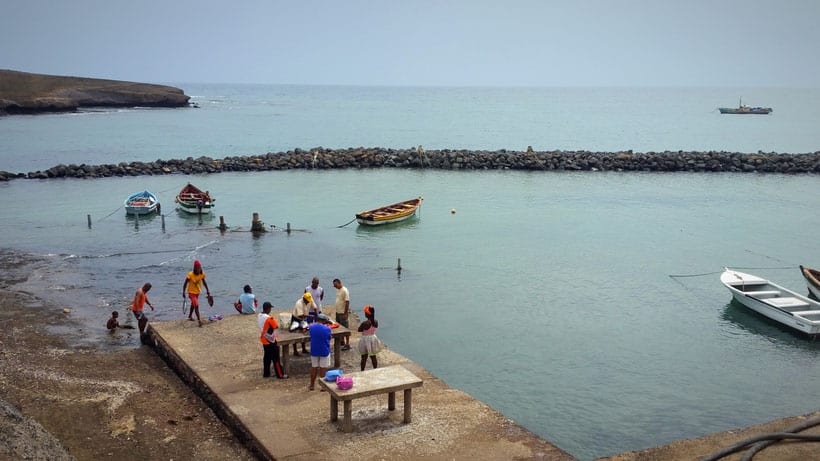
(286,338)
(385,380)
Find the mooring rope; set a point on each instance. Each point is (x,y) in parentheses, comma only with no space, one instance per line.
(733,267)
(345,224)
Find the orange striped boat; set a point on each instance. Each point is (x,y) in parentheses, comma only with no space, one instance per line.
(390,213)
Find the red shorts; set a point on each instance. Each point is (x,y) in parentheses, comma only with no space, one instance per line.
(194,297)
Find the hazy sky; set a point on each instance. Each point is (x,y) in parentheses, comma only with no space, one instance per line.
(732,43)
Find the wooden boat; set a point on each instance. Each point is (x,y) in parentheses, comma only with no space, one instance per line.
(192,200)
(774,301)
(812,277)
(744,109)
(390,213)
(140,203)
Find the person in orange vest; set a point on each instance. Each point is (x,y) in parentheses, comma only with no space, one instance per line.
(193,287)
(140,299)
(270,345)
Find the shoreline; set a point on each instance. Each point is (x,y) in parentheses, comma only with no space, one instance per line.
(447,159)
(128,404)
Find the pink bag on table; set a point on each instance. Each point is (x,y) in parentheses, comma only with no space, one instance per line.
(344,382)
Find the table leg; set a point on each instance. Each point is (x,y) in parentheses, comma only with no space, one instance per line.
(337,352)
(334,409)
(408,405)
(285,362)
(347,423)
(391,401)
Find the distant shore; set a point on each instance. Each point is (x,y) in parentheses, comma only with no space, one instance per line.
(446,159)
(27,93)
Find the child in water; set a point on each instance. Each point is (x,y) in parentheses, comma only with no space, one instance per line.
(369,343)
(114,323)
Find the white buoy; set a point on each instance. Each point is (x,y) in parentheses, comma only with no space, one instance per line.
(452,211)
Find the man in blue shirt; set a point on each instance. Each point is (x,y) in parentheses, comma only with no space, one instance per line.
(319,347)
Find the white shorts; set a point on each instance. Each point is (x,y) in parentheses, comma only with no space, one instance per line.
(320,362)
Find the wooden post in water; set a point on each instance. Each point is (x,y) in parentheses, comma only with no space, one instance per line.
(89,221)
(136,221)
(398,266)
(162,216)
(288,229)
(256,224)
(222,225)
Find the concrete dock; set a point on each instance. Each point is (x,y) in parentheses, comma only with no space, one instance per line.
(282,419)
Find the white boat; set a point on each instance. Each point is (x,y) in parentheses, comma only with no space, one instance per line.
(812,277)
(773,301)
(140,203)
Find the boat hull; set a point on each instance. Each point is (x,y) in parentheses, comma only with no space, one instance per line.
(369,222)
(774,301)
(746,110)
(193,208)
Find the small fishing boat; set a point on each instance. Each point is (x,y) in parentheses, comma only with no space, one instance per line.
(744,109)
(812,277)
(773,301)
(140,203)
(192,200)
(390,213)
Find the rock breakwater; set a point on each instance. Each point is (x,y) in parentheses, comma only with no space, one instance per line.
(446,159)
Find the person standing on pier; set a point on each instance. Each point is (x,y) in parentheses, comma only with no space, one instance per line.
(140,299)
(342,309)
(369,343)
(270,344)
(317,292)
(320,335)
(193,287)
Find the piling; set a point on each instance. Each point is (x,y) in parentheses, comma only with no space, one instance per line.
(136,221)
(398,266)
(256,224)
(163,222)
(89,221)
(288,228)
(222,225)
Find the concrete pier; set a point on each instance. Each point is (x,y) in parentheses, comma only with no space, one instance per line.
(282,419)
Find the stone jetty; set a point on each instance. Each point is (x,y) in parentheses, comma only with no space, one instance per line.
(27,93)
(447,159)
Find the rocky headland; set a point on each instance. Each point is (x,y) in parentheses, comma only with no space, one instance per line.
(26,93)
(446,159)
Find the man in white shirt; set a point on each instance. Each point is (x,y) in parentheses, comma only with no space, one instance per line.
(317,292)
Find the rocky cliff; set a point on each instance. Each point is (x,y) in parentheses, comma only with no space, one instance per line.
(26,93)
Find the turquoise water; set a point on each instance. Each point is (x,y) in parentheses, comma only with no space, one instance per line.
(254,119)
(546,295)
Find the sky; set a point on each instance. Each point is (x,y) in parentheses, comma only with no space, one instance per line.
(633,43)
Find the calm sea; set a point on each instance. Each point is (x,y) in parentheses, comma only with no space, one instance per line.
(546,295)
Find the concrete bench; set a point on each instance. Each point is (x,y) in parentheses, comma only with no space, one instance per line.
(386,380)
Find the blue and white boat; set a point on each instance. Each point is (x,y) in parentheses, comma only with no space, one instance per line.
(141,203)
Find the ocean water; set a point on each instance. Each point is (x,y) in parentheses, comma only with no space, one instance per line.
(546,295)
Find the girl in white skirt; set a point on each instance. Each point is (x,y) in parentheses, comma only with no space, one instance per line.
(369,344)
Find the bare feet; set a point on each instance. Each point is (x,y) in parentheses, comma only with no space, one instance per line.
(310,388)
